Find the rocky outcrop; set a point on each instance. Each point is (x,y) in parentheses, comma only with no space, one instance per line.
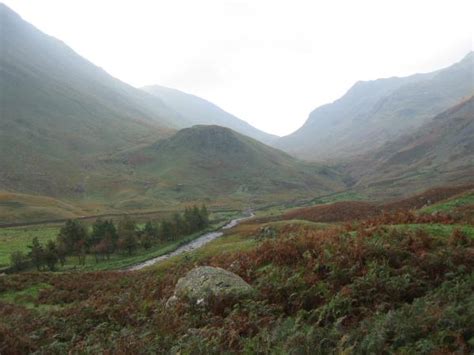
(203,284)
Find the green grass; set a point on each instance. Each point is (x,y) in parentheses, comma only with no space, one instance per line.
(27,297)
(270,211)
(225,244)
(450,205)
(438,230)
(435,230)
(18,239)
(300,222)
(342,196)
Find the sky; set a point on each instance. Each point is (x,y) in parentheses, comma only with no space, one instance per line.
(268,62)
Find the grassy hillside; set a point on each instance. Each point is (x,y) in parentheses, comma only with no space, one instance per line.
(59,111)
(441,199)
(374,112)
(215,163)
(208,164)
(16,207)
(387,286)
(460,203)
(197,111)
(75,141)
(439,152)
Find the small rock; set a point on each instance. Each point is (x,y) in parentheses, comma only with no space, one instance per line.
(235,266)
(172,301)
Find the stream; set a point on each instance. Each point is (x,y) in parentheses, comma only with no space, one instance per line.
(195,244)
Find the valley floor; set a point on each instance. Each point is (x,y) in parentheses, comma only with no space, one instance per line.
(394,281)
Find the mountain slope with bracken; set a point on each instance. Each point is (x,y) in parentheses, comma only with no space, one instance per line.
(440,152)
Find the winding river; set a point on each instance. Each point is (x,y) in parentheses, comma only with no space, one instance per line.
(195,244)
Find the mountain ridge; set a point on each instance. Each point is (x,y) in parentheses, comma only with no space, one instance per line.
(60,111)
(373,112)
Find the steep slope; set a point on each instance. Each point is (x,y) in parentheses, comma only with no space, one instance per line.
(196,110)
(217,163)
(439,152)
(58,110)
(76,141)
(374,112)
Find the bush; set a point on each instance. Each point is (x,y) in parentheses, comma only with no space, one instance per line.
(19,261)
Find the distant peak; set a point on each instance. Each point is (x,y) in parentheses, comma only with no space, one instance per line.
(208,130)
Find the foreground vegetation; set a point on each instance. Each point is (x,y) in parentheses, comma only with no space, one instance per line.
(399,282)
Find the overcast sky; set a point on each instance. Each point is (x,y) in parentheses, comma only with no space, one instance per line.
(268,62)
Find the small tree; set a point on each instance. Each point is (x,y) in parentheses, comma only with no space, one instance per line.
(73,235)
(109,243)
(51,255)
(178,225)
(127,231)
(18,260)
(189,220)
(36,253)
(151,230)
(128,242)
(204,216)
(100,250)
(166,231)
(62,252)
(146,241)
(102,229)
(80,249)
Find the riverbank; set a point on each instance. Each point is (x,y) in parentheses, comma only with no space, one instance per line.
(194,244)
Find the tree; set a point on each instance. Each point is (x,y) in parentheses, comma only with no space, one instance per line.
(166,231)
(109,243)
(151,230)
(198,222)
(178,225)
(81,251)
(51,255)
(101,249)
(36,253)
(127,229)
(195,218)
(62,252)
(73,235)
(102,229)
(146,241)
(128,242)
(189,220)
(18,260)
(204,215)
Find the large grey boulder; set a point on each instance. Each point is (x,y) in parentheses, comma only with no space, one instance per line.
(204,283)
